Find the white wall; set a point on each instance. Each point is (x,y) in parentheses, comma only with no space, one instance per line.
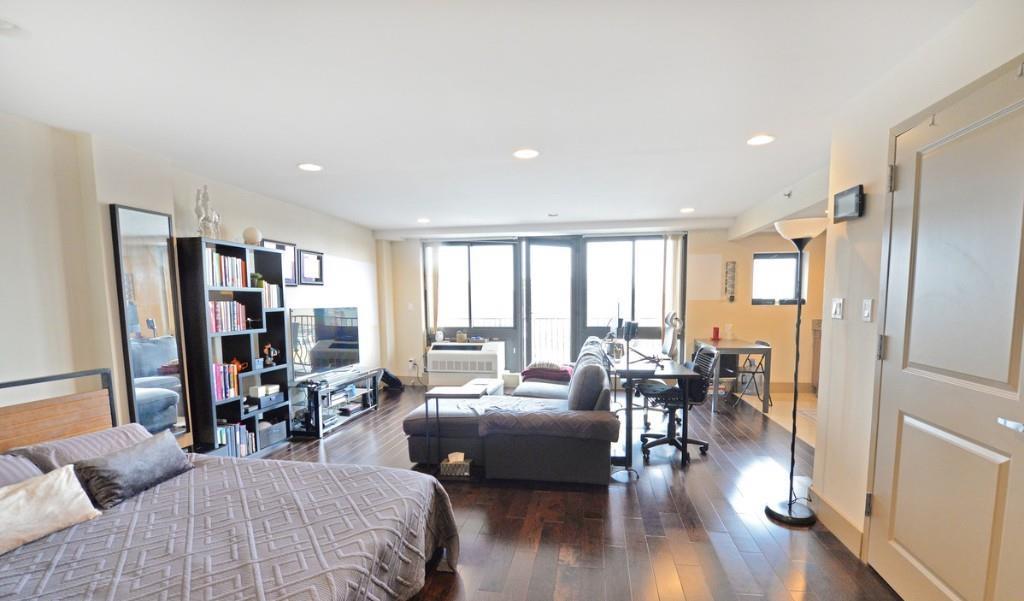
(58,253)
(986,36)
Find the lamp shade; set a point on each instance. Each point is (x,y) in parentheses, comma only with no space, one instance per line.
(795,229)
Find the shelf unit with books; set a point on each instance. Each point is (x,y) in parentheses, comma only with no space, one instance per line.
(227,323)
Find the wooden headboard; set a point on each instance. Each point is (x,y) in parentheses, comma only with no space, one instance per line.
(57,417)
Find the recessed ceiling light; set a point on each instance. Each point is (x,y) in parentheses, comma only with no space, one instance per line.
(552,214)
(761,140)
(526,153)
(687,210)
(311,167)
(423,220)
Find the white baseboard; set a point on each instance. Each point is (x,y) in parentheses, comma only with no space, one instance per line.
(848,533)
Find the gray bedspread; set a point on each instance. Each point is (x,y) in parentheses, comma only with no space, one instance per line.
(249,529)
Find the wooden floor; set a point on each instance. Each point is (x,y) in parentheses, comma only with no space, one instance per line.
(696,534)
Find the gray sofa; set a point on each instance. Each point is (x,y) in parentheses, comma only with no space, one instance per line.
(563,434)
(156,395)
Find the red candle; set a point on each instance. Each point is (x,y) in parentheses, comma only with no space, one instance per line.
(714,333)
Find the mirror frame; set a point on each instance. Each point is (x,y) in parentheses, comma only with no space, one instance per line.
(184,438)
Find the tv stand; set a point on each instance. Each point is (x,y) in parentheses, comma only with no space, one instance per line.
(322,405)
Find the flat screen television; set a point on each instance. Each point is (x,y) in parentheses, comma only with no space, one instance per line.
(324,339)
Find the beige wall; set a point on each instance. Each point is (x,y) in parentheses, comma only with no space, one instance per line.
(985,37)
(60,224)
(408,312)
(771,323)
(45,284)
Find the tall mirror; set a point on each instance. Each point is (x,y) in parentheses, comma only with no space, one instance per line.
(148,294)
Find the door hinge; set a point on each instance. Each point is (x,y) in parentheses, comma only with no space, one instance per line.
(867,503)
(892,178)
(880,351)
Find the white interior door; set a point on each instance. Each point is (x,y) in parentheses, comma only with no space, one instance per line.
(948,511)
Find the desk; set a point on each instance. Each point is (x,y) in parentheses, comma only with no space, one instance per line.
(639,369)
(733,346)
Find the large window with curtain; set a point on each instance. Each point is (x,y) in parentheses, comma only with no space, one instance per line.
(473,286)
(626,277)
(481,288)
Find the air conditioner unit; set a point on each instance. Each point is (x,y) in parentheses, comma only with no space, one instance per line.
(455,363)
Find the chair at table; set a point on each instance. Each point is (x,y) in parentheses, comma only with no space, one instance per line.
(751,374)
(674,398)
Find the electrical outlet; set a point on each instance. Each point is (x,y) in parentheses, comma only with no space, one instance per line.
(412,365)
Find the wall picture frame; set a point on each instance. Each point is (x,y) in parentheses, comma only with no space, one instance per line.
(311,268)
(290,258)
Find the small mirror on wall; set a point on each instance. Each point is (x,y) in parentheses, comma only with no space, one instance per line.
(151,338)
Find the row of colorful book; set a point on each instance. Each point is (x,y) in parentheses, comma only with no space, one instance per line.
(239,440)
(227,316)
(225,381)
(271,296)
(222,270)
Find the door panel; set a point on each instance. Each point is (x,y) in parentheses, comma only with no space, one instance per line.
(948,510)
(550,301)
(979,242)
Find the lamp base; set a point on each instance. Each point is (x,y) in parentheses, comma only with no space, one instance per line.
(791,514)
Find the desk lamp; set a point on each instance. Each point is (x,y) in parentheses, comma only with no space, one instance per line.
(800,232)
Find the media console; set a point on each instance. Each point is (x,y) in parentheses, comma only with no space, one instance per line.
(321,405)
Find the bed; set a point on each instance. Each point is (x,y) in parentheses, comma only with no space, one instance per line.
(236,529)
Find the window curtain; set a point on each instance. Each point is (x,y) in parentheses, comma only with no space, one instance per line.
(674,285)
(430,277)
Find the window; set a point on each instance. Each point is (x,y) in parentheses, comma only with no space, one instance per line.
(775,278)
(475,285)
(625,278)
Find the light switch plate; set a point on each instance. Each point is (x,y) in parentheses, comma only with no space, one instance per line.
(867,309)
(837,308)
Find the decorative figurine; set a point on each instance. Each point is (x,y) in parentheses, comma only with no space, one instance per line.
(209,220)
(269,354)
(252,235)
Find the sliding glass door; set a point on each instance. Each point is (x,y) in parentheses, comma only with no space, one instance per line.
(551,278)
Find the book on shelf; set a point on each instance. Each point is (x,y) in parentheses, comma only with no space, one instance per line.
(222,270)
(225,381)
(271,296)
(236,437)
(226,316)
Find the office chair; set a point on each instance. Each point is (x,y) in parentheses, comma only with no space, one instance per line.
(669,342)
(753,372)
(682,396)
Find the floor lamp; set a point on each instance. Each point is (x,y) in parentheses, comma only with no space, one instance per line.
(799,232)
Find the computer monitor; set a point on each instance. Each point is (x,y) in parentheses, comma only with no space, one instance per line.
(668,338)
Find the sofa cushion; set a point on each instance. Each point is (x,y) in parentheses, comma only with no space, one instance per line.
(543,389)
(461,417)
(589,383)
(588,425)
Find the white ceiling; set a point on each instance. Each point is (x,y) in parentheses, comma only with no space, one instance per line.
(414,108)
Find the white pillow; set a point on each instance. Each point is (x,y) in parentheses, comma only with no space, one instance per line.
(42,505)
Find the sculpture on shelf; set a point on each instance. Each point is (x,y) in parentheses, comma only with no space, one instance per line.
(270,355)
(252,235)
(209,220)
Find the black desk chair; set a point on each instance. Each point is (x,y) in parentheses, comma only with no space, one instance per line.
(681,396)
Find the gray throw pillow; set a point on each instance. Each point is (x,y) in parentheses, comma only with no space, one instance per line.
(57,453)
(121,475)
(586,387)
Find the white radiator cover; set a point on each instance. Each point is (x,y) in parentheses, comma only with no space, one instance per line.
(453,364)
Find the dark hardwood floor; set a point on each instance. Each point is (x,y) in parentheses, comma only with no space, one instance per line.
(696,534)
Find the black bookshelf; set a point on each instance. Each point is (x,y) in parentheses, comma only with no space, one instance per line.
(209,341)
